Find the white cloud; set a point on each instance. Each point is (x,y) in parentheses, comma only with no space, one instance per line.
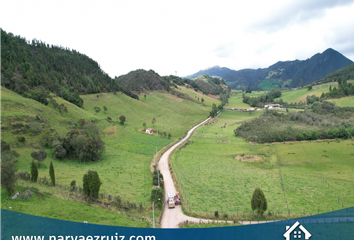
(186,36)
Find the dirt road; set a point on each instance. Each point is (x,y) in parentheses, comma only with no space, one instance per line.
(172,217)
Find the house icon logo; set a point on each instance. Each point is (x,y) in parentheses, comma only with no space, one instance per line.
(298,230)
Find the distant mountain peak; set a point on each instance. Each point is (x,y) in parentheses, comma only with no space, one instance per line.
(217,66)
(216,71)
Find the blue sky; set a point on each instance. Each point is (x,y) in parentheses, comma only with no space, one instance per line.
(186,36)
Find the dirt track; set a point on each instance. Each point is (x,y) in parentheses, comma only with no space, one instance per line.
(172,217)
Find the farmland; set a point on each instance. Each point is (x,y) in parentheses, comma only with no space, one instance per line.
(297,178)
(124,167)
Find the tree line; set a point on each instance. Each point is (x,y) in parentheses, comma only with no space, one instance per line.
(262,100)
(325,121)
(29,66)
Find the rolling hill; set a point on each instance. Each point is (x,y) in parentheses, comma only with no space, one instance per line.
(286,73)
(142,81)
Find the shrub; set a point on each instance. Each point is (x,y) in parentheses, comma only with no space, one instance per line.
(72,185)
(122,119)
(24,176)
(8,172)
(216,214)
(91,184)
(21,139)
(4,146)
(34,171)
(109,118)
(156,194)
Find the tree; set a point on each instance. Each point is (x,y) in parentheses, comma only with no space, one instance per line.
(202,100)
(122,119)
(34,171)
(62,109)
(144,124)
(58,149)
(153,121)
(40,156)
(169,135)
(8,172)
(47,138)
(259,202)
(105,109)
(81,122)
(51,173)
(80,145)
(156,194)
(91,184)
(309,88)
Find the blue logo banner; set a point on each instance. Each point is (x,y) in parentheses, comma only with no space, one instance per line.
(332,225)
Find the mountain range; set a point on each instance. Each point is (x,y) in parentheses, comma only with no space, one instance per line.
(283,73)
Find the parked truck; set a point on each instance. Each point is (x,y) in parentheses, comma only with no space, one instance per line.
(170,200)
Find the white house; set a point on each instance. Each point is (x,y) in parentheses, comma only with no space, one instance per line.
(298,232)
(150,131)
(273,106)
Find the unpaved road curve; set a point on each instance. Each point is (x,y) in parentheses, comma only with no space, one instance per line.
(172,217)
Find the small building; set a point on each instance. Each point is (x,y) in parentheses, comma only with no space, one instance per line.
(269,106)
(150,131)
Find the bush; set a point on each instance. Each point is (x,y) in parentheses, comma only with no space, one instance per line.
(216,214)
(8,172)
(21,139)
(157,193)
(24,176)
(4,146)
(72,185)
(91,184)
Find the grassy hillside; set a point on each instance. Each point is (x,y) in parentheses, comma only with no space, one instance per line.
(124,169)
(301,94)
(293,176)
(208,100)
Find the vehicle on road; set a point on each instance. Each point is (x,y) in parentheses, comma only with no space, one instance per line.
(170,200)
(177,199)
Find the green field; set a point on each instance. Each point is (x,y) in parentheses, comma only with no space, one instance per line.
(53,206)
(269,84)
(124,168)
(301,94)
(343,102)
(297,178)
(195,95)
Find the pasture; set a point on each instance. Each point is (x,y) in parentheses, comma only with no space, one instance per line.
(301,94)
(124,167)
(208,100)
(297,178)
